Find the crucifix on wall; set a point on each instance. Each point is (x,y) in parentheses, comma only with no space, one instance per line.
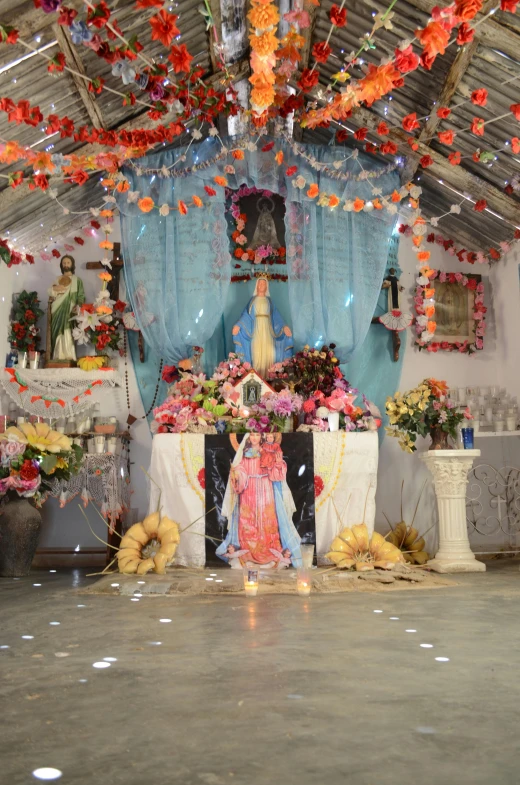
(394,319)
(117,263)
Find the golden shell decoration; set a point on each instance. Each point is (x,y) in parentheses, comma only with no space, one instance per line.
(353,548)
(409,542)
(130,557)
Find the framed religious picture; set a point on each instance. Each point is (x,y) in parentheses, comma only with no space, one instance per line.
(259,490)
(257,225)
(452,317)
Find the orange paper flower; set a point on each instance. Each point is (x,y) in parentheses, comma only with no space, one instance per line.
(358,205)
(183,210)
(396,197)
(279,157)
(106,213)
(238,155)
(263,16)
(429,311)
(264,44)
(220,180)
(428,293)
(431,327)
(333,201)
(313,191)
(122,186)
(106,244)
(107,182)
(423,256)
(104,310)
(146,204)
(105,276)
(197,201)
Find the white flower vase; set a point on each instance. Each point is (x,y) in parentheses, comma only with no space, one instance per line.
(333,421)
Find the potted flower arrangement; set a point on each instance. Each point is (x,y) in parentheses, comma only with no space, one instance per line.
(98,323)
(311,370)
(274,412)
(24,335)
(195,404)
(424,410)
(31,457)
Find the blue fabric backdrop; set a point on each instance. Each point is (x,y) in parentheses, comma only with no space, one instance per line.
(178,268)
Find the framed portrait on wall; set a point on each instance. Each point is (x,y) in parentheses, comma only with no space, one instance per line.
(456,312)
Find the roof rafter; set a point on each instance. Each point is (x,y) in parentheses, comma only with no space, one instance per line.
(72,57)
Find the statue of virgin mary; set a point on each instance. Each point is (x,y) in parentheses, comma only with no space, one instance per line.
(260,335)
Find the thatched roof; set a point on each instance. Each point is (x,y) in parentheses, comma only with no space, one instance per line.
(489,61)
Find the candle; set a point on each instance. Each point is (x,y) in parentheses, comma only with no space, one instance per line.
(303,582)
(251,582)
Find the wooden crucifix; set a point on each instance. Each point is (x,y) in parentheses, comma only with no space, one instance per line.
(394,319)
(113,285)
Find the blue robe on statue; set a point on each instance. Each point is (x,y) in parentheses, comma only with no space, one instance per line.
(283,344)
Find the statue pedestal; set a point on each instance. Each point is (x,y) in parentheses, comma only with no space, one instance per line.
(450,476)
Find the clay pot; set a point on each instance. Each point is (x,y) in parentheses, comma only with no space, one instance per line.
(20,524)
(440,439)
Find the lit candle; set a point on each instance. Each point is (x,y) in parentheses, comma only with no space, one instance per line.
(303,582)
(251,582)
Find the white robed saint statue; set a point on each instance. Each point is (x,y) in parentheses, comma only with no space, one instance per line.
(261,336)
(64,295)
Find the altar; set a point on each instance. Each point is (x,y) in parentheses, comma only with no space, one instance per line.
(343,487)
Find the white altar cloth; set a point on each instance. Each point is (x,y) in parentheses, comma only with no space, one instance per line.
(345,462)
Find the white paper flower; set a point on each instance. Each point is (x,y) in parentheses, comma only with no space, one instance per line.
(165,171)
(108,229)
(322,412)
(423,280)
(434,221)
(80,336)
(455,208)
(132,196)
(299,182)
(422,320)
(94,211)
(106,262)
(66,211)
(377,191)
(415,191)
(419,229)
(138,170)
(337,164)
(251,146)
(368,207)
(213,131)
(196,133)
(111,199)
(348,206)
(164,209)
(52,192)
(323,200)
(392,209)
(355,153)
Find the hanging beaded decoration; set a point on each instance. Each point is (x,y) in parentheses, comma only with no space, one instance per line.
(131,418)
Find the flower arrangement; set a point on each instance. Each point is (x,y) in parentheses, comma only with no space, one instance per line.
(423,410)
(311,370)
(231,369)
(24,335)
(273,410)
(98,322)
(264,254)
(31,456)
(425,310)
(195,403)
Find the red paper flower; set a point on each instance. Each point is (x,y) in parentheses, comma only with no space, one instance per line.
(67,16)
(321,52)
(319,485)
(494,254)
(99,15)
(410,122)
(454,158)
(79,241)
(467,9)
(480,205)
(28,471)
(163,27)
(515,145)
(338,16)
(465,34)
(341,136)
(55,253)
(446,137)
(209,190)
(57,63)
(508,5)
(426,161)
(443,112)
(515,109)
(39,181)
(360,134)
(434,38)
(477,126)
(291,170)
(180,58)
(96,85)
(267,147)
(308,79)
(382,129)
(479,97)
(388,148)
(406,60)
(119,305)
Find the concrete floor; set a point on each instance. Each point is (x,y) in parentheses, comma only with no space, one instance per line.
(270,691)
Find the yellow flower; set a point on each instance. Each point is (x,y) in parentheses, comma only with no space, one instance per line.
(90,363)
(61,463)
(39,435)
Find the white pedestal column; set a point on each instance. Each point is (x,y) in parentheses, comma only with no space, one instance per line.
(450,476)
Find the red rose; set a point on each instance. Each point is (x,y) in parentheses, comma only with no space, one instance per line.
(338,16)
(102,341)
(120,306)
(426,161)
(465,34)
(479,97)
(406,60)
(410,122)
(467,9)
(308,79)
(28,471)
(472,283)
(477,126)
(321,52)
(427,60)
(39,181)
(446,137)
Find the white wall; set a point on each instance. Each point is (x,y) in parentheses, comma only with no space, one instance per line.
(497,363)
(66,528)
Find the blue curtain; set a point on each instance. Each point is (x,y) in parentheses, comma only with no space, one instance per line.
(178,268)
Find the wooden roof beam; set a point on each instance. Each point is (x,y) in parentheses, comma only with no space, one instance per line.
(74,60)
(33,21)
